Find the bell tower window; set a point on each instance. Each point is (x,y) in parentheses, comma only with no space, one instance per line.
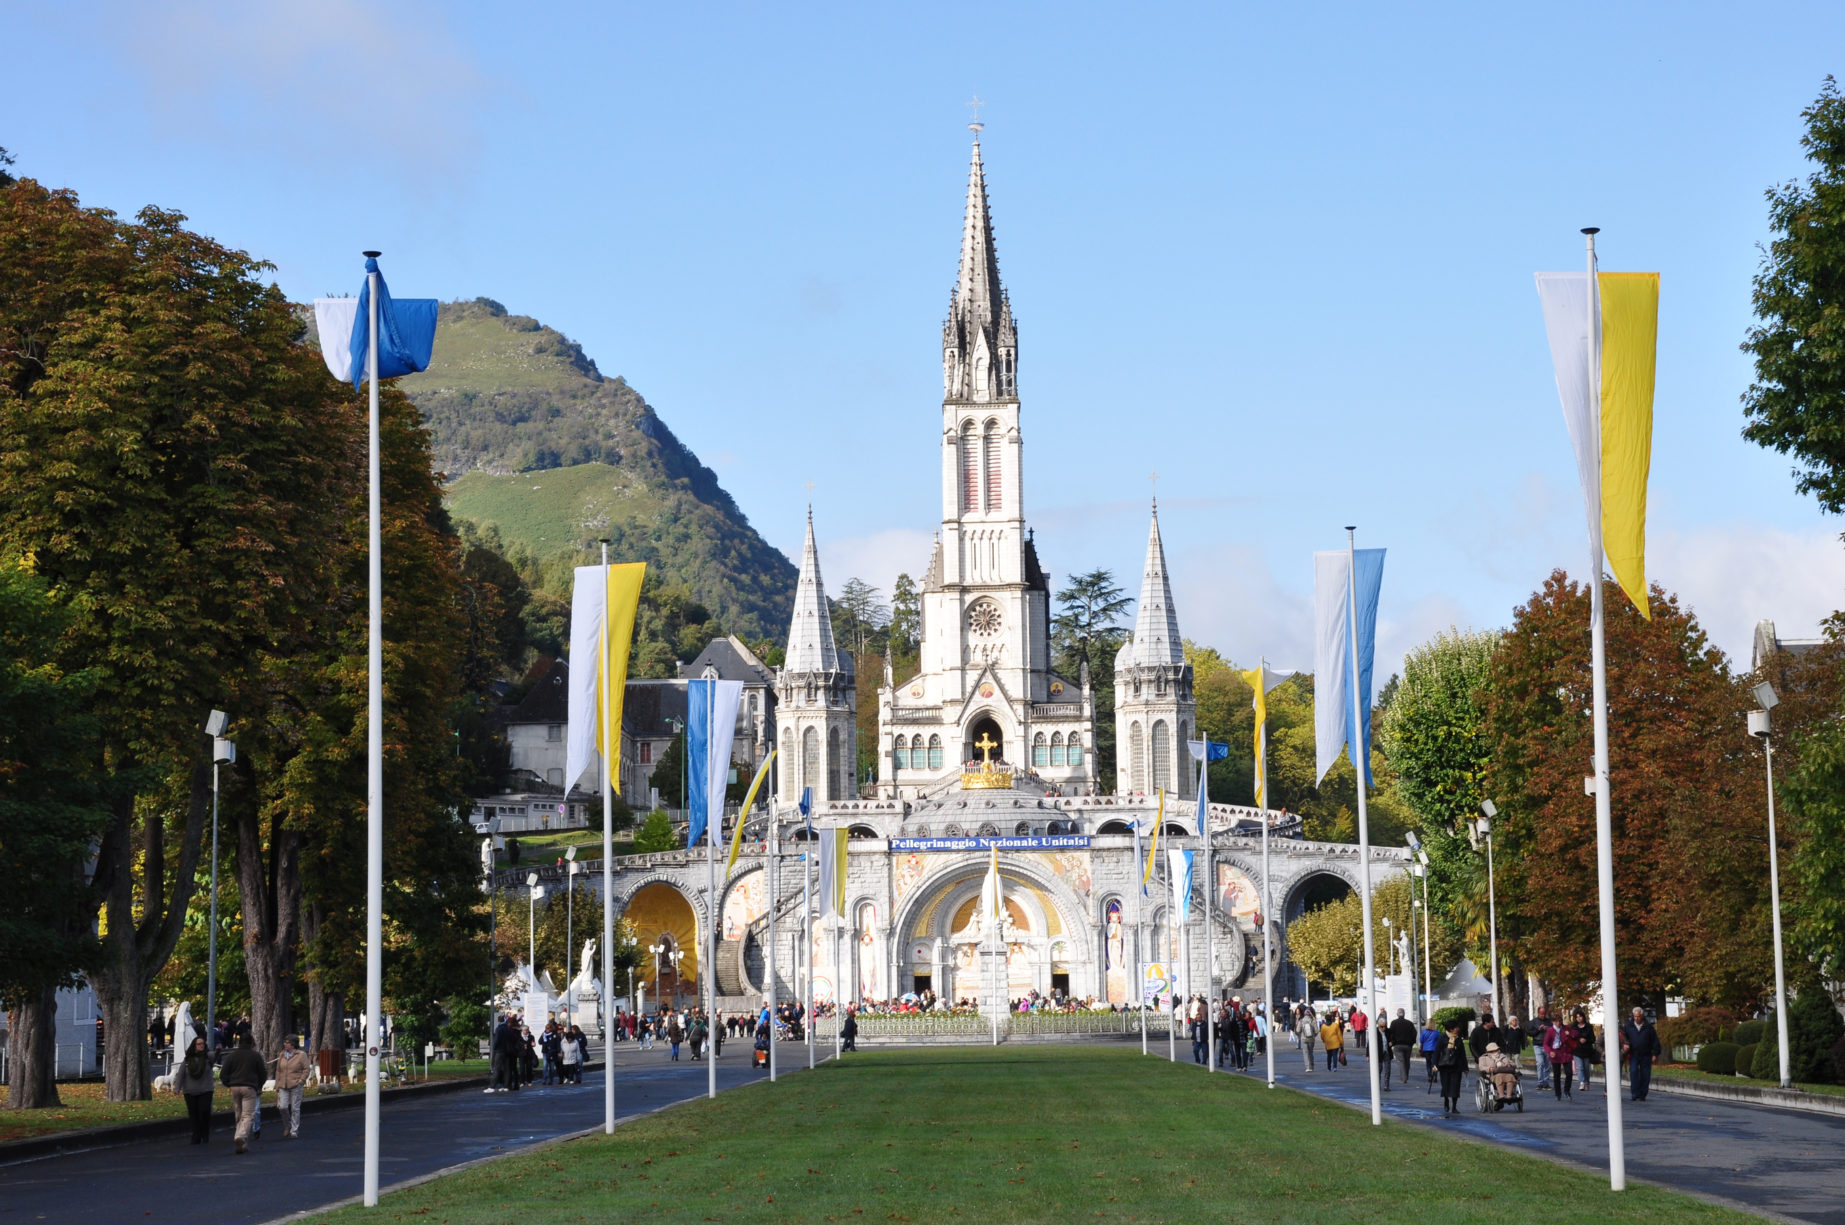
(991,445)
(970,468)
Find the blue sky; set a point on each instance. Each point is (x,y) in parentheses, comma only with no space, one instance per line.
(1283,256)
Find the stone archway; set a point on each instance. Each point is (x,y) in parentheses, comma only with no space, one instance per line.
(1042,909)
(661,914)
(983,727)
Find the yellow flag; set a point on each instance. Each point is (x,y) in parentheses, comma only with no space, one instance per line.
(624,598)
(736,837)
(1630,337)
(1256,681)
(1153,849)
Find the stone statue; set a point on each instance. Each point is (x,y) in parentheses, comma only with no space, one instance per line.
(1408,962)
(586,985)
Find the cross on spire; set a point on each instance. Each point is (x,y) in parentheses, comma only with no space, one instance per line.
(1154,477)
(976,126)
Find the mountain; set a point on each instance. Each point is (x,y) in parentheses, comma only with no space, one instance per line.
(536,441)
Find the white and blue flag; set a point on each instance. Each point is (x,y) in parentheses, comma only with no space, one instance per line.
(1333,683)
(710,727)
(406,332)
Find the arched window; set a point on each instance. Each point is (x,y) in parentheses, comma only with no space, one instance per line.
(1162,755)
(970,468)
(810,764)
(935,752)
(1183,768)
(991,443)
(1075,750)
(1137,759)
(836,770)
(1022,829)
(899,754)
(1038,756)
(1056,748)
(791,781)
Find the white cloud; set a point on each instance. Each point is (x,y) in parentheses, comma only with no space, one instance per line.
(359,88)
(1737,574)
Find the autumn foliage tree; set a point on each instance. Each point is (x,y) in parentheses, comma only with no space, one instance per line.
(1689,841)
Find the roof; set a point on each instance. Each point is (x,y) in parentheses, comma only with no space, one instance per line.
(1156,639)
(548,700)
(732,659)
(648,705)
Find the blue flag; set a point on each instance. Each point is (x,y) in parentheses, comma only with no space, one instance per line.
(1334,595)
(406,332)
(710,729)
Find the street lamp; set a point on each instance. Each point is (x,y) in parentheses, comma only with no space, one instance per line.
(1759,728)
(1485,826)
(223,752)
(570,889)
(531,930)
(1420,871)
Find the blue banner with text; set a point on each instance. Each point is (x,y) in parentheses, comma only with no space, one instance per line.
(1022,842)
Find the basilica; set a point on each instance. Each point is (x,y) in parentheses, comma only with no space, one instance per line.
(987,784)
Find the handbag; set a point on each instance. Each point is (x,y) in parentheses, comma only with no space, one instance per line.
(1342,1056)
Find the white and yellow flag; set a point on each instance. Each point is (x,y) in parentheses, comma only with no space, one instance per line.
(1262,680)
(1603,341)
(602,607)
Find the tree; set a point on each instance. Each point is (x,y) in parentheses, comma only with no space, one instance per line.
(51,807)
(859,617)
(1327,943)
(1797,403)
(1433,732)
(905,628)
(655,834)
(1690,892)
(669,773)
(169,457)
(1085,635)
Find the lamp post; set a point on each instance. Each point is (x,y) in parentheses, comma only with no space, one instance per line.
(487,847)
(570,935)
(685,760)
(1759,728)
(223,752)
(1485,826)
(531,930)
(1420,871)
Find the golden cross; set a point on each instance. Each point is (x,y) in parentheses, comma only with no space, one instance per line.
(986,744)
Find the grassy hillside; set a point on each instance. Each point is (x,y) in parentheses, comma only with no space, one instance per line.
(539,444)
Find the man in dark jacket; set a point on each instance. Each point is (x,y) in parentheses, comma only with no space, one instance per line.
(1486,1031)
(1404,1037)
(244,1072)
(1640,1046)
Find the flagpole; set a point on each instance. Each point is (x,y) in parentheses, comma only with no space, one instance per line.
(374,763)
(1360,751)
(838,922)
(714,772)
(807,935)
(608,859)
(1140,968)
(1604,818)
(1172,976)
(1210,887)
(775,855)
(1268,915)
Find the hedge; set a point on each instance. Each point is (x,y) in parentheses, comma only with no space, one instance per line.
(1718,1058)
(1766,1063)
(1745,1059)
(1455,1011)
(1749,1033)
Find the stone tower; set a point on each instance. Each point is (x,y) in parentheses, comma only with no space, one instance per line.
(816,695)
(1155,713)
(985,674)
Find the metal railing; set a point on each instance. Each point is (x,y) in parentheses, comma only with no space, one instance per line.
(923,1026)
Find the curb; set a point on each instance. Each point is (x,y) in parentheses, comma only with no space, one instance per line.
(58,1144)
(1750,1095)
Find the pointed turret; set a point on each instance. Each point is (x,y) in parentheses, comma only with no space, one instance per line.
(810,637)
(1156,622)
(979,341)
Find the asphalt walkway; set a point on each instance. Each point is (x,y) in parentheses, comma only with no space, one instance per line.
(170,1180)
(1786,1162)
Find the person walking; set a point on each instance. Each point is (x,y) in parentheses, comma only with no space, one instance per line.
(291,1074)
(570,1057)
(848,1030)
(1451,1063)
(1360,1022)
(1403,1039)
(674,1035)
(1558,1049)
(1307,1033)
(1332,1038)
(244,1072)
(1195,1028)
(1539,1024)
(193,1080)
(1586,1053)
(1639,1047)
(1429,1039)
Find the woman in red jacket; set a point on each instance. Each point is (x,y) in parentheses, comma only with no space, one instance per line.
(1560,1048)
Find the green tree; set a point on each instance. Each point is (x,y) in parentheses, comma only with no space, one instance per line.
(905,629)
(1433,731)
(1327,943)
(859,617)
(655,834)
(169,455)
(1085,634)
(669,773)
(1797,403)
(52,806)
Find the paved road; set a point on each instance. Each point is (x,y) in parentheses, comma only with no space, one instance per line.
(1782,1161)
(169,1180)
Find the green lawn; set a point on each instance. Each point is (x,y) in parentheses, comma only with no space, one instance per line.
(85,1108)
(1027,1134)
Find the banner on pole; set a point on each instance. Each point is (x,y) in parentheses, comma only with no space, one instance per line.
(710,730)
(1332,656)
(596,591)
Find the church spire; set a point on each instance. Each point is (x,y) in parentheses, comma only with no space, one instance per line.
(979,341)
(810,637)
(1156,623)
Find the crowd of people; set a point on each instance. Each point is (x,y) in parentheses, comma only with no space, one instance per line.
(518,1057)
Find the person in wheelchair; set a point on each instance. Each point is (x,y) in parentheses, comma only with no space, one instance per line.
(1498,1073)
